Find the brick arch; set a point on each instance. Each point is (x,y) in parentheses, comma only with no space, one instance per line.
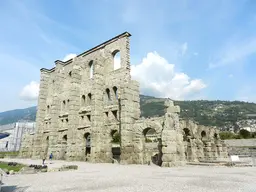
(153,125)
(191,126)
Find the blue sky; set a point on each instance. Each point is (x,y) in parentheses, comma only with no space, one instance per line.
(180,49)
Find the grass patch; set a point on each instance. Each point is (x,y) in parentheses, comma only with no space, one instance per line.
(5,166)
(9,154)
(243,146)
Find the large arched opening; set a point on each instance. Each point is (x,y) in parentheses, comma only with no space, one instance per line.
(150,135)
(152,147)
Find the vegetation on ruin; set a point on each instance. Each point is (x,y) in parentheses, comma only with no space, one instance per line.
(116,138)
(242,134)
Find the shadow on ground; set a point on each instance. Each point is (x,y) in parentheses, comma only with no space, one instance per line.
(13,189)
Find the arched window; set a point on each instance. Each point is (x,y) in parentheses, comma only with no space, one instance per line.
(83,100)
(108,97)
(48,108)
(63,105)
(89,98)
(91,67)
(117,59)
(203,134)
(115,92)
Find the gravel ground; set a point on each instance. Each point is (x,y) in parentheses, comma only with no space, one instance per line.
(133,178)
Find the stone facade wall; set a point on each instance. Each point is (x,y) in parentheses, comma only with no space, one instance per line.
(27,145)
(83,102)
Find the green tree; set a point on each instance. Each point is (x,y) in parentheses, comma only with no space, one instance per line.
(244,133)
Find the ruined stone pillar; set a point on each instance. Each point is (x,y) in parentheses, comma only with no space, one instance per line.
(41,108)
(172,139)
(129,113)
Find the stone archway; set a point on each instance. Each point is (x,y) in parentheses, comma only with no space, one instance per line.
(152,146)
(63,151)
(143,154)
(150,135)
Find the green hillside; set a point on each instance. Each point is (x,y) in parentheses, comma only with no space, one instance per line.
(205,112)
(15,115)
(216,113)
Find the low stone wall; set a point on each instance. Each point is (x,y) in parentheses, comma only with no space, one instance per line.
(242,151)
(241,147)
(241,142)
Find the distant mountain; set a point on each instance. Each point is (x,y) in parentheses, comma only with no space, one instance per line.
(15,115)
(205,112)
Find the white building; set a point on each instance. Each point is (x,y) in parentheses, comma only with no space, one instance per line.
(16,131)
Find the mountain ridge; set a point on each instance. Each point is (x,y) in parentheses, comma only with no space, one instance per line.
(206,112)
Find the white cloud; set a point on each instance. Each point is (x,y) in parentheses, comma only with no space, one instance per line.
(184,48)
(30,92)
(157,77)
(69,56)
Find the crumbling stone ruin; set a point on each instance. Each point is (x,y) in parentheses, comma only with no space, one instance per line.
(89,110)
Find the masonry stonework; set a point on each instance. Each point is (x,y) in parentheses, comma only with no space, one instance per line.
(89,110)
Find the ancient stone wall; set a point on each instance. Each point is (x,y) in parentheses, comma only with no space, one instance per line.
(202,143)
(81,100)
(89,110)
(27,145)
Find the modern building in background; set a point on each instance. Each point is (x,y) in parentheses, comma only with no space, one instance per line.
(16,132)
